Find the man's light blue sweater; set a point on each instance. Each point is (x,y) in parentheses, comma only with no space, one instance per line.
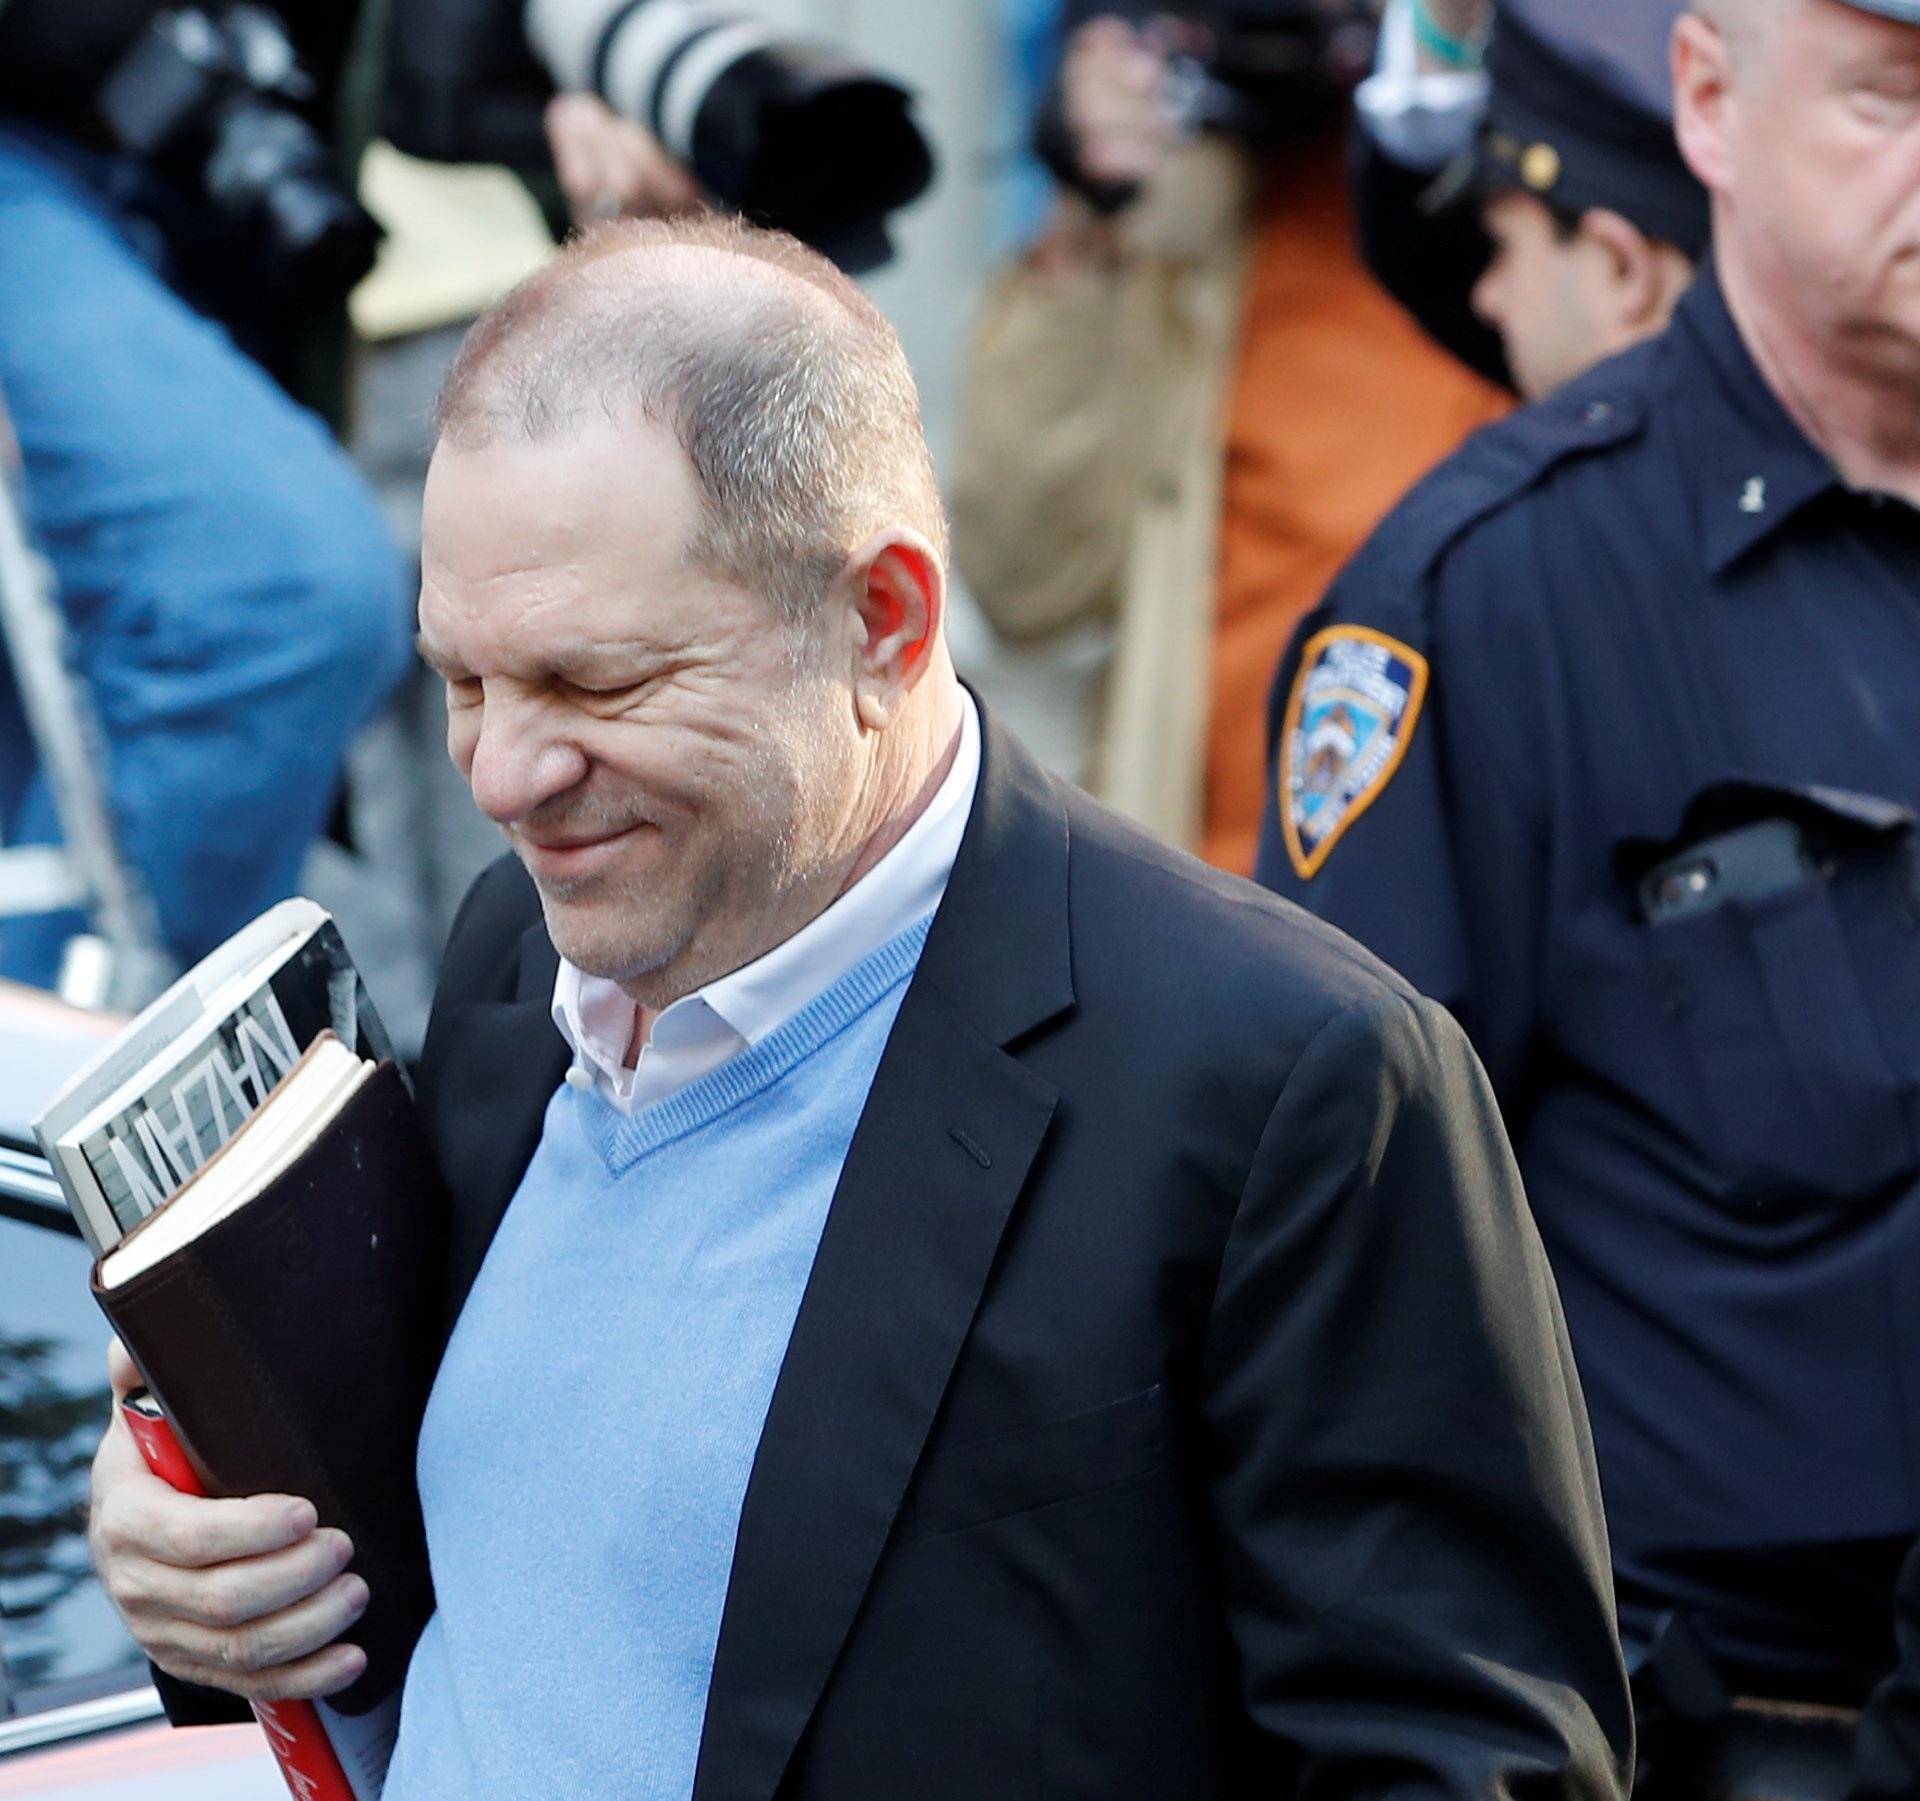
(587,1447)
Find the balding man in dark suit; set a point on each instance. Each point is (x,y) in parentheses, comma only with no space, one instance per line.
(948,1296)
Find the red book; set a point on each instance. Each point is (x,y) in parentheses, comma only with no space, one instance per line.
(295,1731)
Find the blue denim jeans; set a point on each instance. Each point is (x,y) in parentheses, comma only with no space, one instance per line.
(233,596)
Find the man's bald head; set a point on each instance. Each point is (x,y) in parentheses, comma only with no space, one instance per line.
(785,386)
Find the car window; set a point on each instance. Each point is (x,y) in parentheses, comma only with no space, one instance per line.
(60,1641)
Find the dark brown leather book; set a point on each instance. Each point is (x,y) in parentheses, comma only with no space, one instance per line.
(292,1341)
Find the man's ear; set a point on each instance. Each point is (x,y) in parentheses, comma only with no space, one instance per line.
(1635,293)
(1703,99)
(899,596)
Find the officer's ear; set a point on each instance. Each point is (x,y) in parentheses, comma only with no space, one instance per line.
(1704,98)
(1640,278)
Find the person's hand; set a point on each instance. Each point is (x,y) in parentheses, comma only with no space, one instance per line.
(611,168)
(1112,90)
(246,1596)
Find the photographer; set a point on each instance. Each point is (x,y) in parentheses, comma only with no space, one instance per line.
(171,225)
(655,106)
(1190,403)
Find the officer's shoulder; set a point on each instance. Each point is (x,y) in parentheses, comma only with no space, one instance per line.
(1476,500)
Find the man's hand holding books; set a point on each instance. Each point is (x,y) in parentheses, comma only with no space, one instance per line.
(266,1219)
(248,1596)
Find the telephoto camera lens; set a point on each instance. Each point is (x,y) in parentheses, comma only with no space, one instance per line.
(790,133)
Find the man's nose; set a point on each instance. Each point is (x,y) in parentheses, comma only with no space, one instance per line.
(520,760)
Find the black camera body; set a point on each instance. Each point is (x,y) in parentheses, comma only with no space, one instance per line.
(1263,71)
(219,96)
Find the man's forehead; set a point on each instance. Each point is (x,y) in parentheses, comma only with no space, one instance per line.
(607,489)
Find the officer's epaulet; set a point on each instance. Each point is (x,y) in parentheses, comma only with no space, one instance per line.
(1493,468)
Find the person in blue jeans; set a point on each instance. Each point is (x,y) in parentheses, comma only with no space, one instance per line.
(234,599)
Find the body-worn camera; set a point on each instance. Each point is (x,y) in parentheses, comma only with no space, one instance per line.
(218,94)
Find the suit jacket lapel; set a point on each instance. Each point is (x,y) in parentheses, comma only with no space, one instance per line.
(505,1060)
(943,1148)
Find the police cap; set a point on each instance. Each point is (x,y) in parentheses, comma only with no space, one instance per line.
(1906,11)
(1581,126)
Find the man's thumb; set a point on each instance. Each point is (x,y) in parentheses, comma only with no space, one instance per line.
(121,1372)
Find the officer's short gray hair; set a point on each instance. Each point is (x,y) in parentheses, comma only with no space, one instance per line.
(785,385)
(1744,24)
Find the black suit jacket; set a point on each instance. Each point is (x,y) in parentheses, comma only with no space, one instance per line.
(1179,1406)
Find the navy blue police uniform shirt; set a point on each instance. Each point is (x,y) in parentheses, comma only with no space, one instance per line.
(1610,740)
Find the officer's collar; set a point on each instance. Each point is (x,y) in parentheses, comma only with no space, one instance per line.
(1755,467)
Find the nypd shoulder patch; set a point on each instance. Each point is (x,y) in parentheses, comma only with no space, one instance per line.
(1349,721)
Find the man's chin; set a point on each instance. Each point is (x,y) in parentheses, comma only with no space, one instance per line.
(586,928)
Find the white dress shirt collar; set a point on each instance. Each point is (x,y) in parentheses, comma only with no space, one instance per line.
(700,1031)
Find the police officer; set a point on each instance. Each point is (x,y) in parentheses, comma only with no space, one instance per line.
(1610,738)
(1567,225)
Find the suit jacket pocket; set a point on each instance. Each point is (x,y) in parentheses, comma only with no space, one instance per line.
(1033,1467)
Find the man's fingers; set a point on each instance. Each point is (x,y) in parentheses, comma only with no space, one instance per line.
(576,166)
(227,1589)
(263,1645)
(608,165)
(1109,34)
(1122,156)
(573,136)
(233,1594)
(1116,67)
(647,179)
(193,1532)
(305,1679)
(1112,88)
(136,1514)
(598,187)
(121,1372)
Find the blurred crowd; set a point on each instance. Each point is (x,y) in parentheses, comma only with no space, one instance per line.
(1293,263)
(1473,447)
